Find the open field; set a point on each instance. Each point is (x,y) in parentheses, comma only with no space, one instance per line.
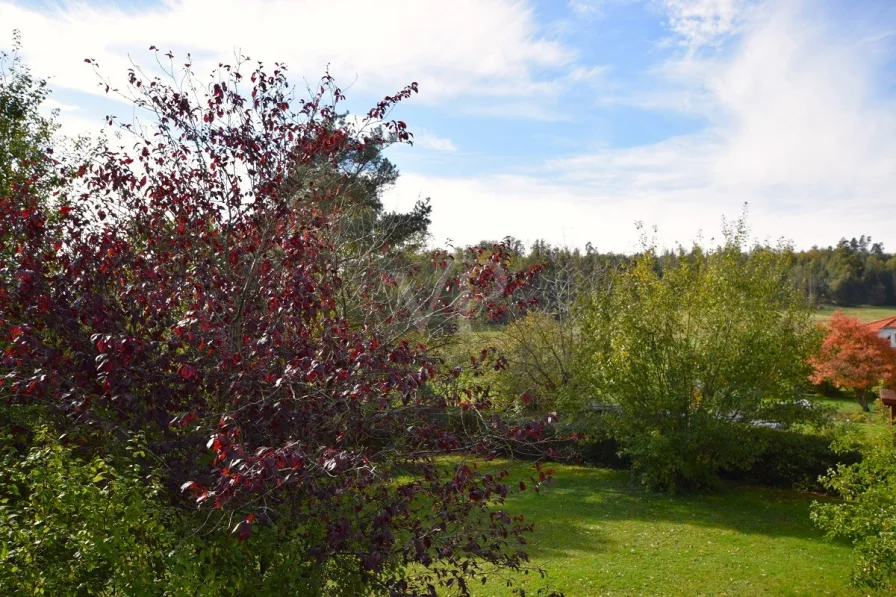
(865,313)
(599,535)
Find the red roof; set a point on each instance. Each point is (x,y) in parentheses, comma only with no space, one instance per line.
(887,322)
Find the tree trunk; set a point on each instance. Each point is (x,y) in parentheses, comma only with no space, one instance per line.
(862,396)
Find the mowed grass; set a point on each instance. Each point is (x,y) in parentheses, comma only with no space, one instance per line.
(865,314)
(848,409)
(598,535)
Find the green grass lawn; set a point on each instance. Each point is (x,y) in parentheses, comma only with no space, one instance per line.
(596,534)
(861,313)
(847,409)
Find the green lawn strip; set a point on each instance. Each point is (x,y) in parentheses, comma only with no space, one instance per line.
(843,406)
(848,410)
(865,313)
(596,534)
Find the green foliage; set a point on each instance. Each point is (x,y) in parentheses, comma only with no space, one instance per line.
(867,513)
(77,525)
(794,458)
(73,526)
(362,174)
(853,272)
(691,357)
(25,134)
(540,351)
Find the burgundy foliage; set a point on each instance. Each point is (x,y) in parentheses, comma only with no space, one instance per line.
(177,287)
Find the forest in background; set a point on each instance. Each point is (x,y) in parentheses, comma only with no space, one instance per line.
(854,272)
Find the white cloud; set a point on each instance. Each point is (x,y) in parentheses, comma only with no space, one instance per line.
(518,109)
(51,104)
(469,210)
(586,73)
(427,140)
(530,207)
(704,22)
(795,128)
(586,8)
(801,112)
(467,47)
(795,125)
(593,9)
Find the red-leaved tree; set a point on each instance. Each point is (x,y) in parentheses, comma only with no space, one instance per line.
(182,288)
(853,357)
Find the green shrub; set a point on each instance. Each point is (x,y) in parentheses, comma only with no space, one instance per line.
(867,513)
(77,527)
(73,526)
(688,459)
(691,355)
(792,457)
(536,368)
(540,351)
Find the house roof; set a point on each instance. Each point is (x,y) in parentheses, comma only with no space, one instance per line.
(887,322)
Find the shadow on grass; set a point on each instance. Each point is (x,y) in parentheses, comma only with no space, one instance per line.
(581,499)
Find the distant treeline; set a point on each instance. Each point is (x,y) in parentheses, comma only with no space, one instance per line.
(854,272)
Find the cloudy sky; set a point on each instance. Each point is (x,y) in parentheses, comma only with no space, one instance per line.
(563,120)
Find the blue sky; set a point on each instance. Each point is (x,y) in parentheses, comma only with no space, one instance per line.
(563,120)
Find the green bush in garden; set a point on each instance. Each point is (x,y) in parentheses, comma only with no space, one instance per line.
(73,525)
(692,357)
(867,513)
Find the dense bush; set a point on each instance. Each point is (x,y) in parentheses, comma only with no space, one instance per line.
(690,358)
(74,526)
(867,513)
(539,351)
(79,525)
(791,457)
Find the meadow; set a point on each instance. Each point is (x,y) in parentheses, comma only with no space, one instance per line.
(864,313)
(599,535)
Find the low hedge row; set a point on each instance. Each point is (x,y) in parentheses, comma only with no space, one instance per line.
(792,458)
(786,457)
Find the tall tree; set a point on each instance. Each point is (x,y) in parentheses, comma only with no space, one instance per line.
(853,357)
(362,175)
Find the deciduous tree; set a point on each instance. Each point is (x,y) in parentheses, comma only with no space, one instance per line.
(180,288)
(853,357)
(25,133)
